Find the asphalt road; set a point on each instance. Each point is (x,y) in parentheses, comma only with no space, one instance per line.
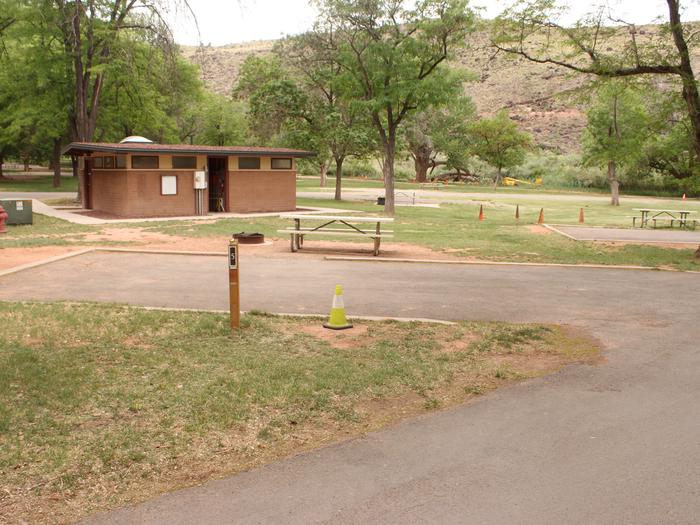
(503,194)
(613,443)
(665,235)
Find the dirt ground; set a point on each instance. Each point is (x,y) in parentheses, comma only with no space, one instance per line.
(539,230)
(11,257)
(139,239)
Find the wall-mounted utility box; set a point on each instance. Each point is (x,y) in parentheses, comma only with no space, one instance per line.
(200,180)
(19,210)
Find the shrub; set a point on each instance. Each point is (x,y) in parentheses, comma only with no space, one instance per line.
(360,168)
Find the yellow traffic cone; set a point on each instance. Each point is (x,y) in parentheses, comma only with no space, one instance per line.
(337,320)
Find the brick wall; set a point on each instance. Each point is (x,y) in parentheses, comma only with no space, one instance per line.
(129,193)
(261,191)
(144,198)
(137,193)
(108,190)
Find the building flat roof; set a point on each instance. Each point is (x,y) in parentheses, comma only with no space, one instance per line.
(85,148)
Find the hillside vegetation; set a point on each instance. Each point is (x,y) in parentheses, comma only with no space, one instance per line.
(541,98)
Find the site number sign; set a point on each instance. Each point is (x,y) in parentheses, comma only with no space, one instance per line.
(233,257)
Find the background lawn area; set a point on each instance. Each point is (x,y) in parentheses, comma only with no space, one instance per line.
(46,231)
(309,183)
(26,183)
(103,405)
(456,228)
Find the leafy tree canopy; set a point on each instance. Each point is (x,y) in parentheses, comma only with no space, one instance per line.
(499,142)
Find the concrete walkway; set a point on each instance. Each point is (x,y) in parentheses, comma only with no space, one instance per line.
(635,235)
(37,195)
(614,443)
(80,218)
(70,215)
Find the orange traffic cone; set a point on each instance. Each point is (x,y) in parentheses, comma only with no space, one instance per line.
(683,196)
(517,212)
(580,216)
(481,212)
(540,219)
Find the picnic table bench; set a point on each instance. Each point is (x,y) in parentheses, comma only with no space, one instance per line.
(662,216)
(346,226)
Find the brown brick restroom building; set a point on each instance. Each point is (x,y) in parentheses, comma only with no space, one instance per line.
(138,178)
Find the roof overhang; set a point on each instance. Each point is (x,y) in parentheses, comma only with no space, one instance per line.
(87,148)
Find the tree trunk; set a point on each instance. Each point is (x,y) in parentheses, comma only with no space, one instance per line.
(338,176)
(697,253)
(323,173)
(614,184)
(422,164)
(56,161)
(388,171)
(498,178)
(690,87)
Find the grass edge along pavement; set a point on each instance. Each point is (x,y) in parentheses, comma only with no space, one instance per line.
(452,228)
(455,229)
(145,401)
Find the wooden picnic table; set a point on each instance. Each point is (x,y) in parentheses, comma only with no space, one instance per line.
(345,226)
(653,214)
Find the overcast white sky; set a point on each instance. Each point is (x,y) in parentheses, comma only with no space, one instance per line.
(231,21)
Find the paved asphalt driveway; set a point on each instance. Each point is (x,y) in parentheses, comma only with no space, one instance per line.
(640,235)
(614,443)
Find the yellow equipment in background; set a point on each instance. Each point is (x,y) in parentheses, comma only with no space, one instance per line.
(510,181)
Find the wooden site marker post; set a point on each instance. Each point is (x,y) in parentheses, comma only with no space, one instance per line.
(233,288)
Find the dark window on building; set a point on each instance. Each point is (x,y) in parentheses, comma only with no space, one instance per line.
(98,162)
(185,163)
(144,162)
(120,162)
(281,164)
(248,163)
(109,163)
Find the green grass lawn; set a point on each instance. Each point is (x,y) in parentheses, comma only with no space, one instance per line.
(455,227)
(26,183)
(103,405)
(452,227)
(46,231)
(312,184)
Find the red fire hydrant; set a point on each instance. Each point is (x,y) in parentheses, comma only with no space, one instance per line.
(3,218)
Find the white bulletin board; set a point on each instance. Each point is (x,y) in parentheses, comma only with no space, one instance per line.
(168,185)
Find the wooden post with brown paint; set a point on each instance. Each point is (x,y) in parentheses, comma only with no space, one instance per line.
(233,287)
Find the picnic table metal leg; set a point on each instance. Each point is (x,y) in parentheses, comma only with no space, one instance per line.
(377,240)
(298,238)
(293,242)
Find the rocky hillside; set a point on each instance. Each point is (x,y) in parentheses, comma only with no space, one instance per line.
(539,97)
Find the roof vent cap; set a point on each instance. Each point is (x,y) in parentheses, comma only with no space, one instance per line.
(136,139)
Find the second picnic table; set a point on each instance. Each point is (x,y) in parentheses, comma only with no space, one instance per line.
(336,225)
(654,215)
